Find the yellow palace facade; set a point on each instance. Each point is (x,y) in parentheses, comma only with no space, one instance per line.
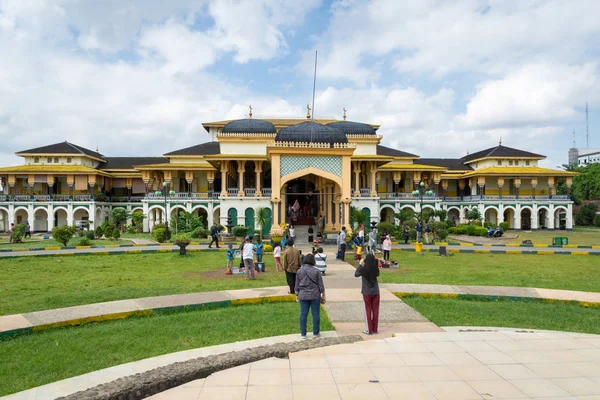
(322,167)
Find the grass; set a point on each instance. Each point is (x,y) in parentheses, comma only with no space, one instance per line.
(579,236)
(506,313)
(40,243)
(33,284)
(37,359)
(541,271)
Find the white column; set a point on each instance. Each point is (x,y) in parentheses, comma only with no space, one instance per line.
(50,211)
(550,218)
(517,224)
(146,222)
(534,217)
(30,215)
(210,216)
(70,214)
(92,215)
(500,213)
(569,216)
(11,215)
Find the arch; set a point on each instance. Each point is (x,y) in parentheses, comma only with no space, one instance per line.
(453,208)
(161,208)
(560,222)
(81,216)
(491,214)
(177,207)
(454,215)
(21,217)
(367,212)
(543,217)
(402,207)
(311,170)
(4,225)
(526,208)
(249,214)
(510,208)
(60,216)
(267,227)
(526,215)
(80,208)
(560,208)
(202,212)
(425,206)
(217,215)
(386,214)
(233,213)
(40,224)
(509,217)
(137,209)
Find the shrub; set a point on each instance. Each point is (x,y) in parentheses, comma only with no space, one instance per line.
(62,234)
(137,220)
(18,233)
(386,227)
(84,242)
(99,232)
(474,214)
(586,215)
(159,234)
(239,231)
(158,226)
(186,222)
(412,234)
(504,226)
(116,233)
(130,229)
(442,234)
(182,237)
(90,235)
(267,248)
(119,216)
(200,233)
(487,224)
(597,220)
(220,228)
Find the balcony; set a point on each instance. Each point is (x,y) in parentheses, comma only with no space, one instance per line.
(266,192)
(365,192)
(82,197)
(249,192)
(232,192)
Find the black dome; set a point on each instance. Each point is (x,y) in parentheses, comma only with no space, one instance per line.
(249,126)
(353,128)
(311,132)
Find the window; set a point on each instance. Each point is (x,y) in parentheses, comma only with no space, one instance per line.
(516,162)
(36,160)
(527,163)
(69,160)
(510,162)
(56,160)
(499,162)
(49,160)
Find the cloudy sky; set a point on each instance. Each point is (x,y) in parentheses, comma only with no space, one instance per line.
(441,77)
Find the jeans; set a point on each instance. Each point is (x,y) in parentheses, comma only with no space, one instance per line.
(315,306)
(343,251)
(291,281)
(258,257)
(249,267)
(418,236)
(214,239)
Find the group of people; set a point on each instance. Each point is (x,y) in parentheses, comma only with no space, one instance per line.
(248,251)
(420,230)
(13,227)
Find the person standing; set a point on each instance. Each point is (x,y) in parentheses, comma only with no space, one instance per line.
(343,244)
(259,250)
(369,271)
(230,255)
(12,232)
(27,230)
(291,261)
(419,229)
(386,246)
(310,234)
(293,233)
(320,227)
(277,256)
(214,236)
(427,232)
(310,292)
(248,256)
(406,233)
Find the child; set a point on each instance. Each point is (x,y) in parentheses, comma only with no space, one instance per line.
(293,233)
(259,250)
(230,254)
(277,255)
(359,251)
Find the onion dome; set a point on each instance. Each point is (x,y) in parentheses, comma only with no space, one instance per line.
(311,132)
(353,128)
(249,126)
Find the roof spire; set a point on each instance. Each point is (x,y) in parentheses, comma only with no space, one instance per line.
(308,111)
(96,148)
(344,113)
(500,141)
(250,113)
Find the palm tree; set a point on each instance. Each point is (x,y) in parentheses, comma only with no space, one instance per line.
(261,215)
(358,218)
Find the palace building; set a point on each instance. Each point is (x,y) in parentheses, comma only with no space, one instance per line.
(319,167)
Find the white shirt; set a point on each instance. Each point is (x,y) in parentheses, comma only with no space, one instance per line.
(248,251)
(277,251)
(292,232)
(361,234)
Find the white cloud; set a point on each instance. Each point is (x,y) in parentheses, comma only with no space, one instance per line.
(534,94)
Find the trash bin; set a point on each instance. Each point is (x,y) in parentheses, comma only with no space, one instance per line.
(419,247)
(560,241)
(565,240)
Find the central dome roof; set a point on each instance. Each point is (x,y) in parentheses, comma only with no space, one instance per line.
(353,128)
(249,126)
(311,132)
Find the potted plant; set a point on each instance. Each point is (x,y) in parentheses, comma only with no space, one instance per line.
(182,240)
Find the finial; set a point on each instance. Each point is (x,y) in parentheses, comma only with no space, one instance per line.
(96,148)
(344,113)
(500,141)
(308,111)
(467,152)
(250,113)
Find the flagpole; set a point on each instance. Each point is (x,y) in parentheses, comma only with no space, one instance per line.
(314,87)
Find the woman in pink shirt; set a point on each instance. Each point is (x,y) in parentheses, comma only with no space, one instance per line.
(386,246)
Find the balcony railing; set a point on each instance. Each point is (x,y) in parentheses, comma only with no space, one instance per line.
(137,198)
(266,192)
(249,192)
(41,197)
(232,192)
(22,197)
(82,197)
(452,198)
(560,197)
(365,192)
(60,197)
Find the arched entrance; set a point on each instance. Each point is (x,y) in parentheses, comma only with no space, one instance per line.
(249,214)
(526,219)
(560,218)
(232,213)
(4,225)
(81,218)
(302,201)
(491,215)
(387,215)
(60,217)
(542,218)
(454,216)
(40,220)
(21,216)
(202,213)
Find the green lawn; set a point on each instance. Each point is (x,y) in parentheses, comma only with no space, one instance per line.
(40,243)
(40,358)
(542,271)
(580,236)
(507,313)
(33,284)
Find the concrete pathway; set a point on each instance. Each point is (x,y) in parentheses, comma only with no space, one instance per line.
(458,364)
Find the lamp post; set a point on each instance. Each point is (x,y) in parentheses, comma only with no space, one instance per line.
(420,192)
(166,192)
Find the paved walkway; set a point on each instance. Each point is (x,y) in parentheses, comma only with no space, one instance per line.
(452,365)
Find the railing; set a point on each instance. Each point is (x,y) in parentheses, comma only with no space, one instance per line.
(214,195)
(267,192)
(137,198)
(22,197)
(82,197)
(60,197)
(560,197)
(3,197)
(42,197)
(232,192)
(365,192)
(452,198)
(249,192)
(118,199)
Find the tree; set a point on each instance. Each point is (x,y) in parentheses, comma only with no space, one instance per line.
(405,215)
(586,214)
(358,218)
(137,219)
(474,214)
(185,222)
(62,234)
(441,214)
(119,216)
(18,233)
(586,186)
(261,215)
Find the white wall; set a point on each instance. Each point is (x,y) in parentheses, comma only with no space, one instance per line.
(365,149)
(242,147)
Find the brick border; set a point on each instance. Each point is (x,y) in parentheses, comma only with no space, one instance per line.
(464,296)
